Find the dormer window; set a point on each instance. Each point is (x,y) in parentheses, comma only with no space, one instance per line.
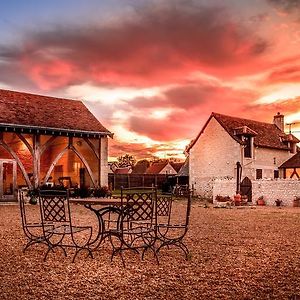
(246,135)
(290,141)
(247,146)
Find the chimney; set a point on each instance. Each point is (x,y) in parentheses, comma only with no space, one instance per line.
(279,121)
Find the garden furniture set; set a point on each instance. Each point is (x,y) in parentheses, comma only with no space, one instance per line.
(139,221)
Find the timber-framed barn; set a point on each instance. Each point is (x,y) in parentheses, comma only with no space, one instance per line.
(46,139)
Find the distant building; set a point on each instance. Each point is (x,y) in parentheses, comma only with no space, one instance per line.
(44,137)
(229,147)
(291,168)
(161,167)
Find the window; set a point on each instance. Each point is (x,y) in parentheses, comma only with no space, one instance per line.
(276,174)
(258,173)
(247,149)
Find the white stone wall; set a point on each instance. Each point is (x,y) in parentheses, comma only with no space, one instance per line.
(224,187)
(283,189)
(214,155)
(104,161)
(168,169)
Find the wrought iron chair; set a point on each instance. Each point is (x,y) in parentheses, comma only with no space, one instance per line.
(55,211)
(136,222)
(164,208)
(33,230)
(171,233)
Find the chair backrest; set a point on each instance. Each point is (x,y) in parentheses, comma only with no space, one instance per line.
(139,203)
(54,205)
(22,208)
(188,208)
(186,201)
(164,205)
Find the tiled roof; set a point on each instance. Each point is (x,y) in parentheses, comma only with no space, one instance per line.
(293,162)
(140,167)
(125,170)
(266,135)
(36,111)
(156,167)
(184,170)
(177,165)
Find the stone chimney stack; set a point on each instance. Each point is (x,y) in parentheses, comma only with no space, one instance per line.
(279,121)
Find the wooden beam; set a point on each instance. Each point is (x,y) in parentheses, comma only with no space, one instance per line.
(92,146)
(84,161)
(20,164)
(54,162)
(47,144)
(22,138)
(36,160)
(99,162)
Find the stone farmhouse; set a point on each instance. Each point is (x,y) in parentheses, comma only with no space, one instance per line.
(49,140)
(238,149)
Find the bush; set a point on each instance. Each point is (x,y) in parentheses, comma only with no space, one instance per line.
(84,192)
(102,192)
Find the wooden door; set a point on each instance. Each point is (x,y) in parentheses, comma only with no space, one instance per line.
(246,188)
(8,178)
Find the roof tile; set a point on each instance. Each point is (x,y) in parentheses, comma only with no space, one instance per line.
(32,110)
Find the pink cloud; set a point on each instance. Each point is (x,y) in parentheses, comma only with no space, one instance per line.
(159,46)
(191,106)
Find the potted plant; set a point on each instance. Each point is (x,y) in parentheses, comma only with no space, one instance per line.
(237,199)
(33,196)
(261,201)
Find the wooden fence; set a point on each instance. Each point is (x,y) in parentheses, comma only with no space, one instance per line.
(116,181)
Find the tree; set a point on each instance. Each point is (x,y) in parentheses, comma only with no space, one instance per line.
(125,161)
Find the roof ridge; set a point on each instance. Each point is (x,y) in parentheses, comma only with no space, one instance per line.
(245,119)
(39,95)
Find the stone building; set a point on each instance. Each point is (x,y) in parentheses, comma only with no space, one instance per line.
(230,147)
(45,139)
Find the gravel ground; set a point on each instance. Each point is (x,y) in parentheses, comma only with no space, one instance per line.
(239,253)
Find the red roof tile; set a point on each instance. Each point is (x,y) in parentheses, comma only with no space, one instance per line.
(177,165)
(122,170)
(36,111)
(293,162)
(156,167)
(266,135)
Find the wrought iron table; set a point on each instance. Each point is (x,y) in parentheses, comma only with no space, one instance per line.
(108,206)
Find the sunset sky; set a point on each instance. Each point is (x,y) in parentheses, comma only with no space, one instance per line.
(152,71)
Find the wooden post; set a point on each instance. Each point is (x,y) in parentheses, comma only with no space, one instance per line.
(99,164)
(36,160)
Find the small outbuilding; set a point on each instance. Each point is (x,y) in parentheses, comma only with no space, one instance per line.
(291,168)
(49,140)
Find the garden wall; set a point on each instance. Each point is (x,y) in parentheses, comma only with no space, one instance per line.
(282,189)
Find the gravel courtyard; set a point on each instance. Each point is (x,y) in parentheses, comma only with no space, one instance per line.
(239,253)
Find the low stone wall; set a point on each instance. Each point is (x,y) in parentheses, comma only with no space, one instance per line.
(282,189)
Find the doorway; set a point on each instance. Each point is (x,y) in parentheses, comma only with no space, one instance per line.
(8,177)
(246,188)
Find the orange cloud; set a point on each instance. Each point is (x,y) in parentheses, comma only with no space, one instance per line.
(159,46)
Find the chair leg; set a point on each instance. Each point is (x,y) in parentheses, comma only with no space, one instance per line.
(178,243)
(51,248)
(78,249)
